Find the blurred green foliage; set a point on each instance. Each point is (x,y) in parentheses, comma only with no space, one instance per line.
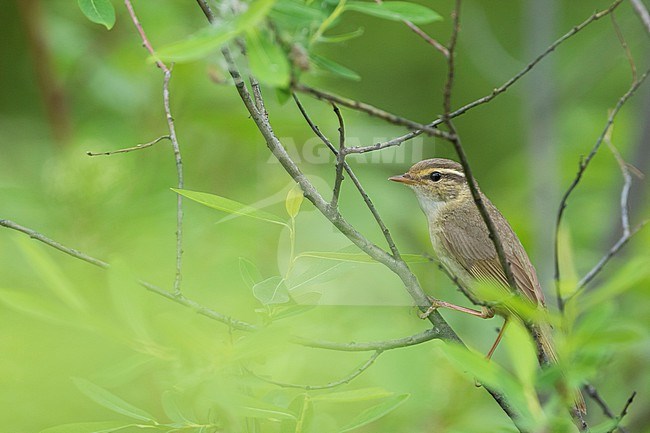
(83,345)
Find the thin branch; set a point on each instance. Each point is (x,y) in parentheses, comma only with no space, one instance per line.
(627,183)
(496,92)
(130,149)
(584,163)
(592,392)
(411,340)
(620,417)
(353,178)
(421,33)
(167,71)
(458,146)
(340,159)
(346,379)
(643,13)
(624,45)
(370,110)
(176,297)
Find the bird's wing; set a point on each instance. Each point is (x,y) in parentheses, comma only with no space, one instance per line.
(474,250)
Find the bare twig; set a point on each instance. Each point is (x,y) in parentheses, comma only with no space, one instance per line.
(624,45)
(411,340)
(130,149)
(643,13)
(421,33)
(496,92)
(340,159)
(346,379)
(584,163)
(353,178)
(167,71)
(370,110)
(176,297)
(592,392)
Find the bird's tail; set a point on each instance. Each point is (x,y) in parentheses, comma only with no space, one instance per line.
(548,355)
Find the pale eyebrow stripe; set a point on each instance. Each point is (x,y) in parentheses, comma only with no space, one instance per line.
(450,171)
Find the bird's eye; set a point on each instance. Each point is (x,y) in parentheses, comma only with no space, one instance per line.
(435,176)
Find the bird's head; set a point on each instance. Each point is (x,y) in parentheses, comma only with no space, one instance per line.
(436,181)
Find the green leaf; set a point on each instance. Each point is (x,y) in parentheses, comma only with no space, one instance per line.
(249,272)
(363,394)
(172,410)
(229,206)
(334,68)
(109,400)
(294,199)
(342,37)
(395,11)
(208,40)
(98,11)
(88,427)
(523,354)
(375,412)
(254,408)
(358,257)
(318,273)
(266,59)
(271,291)
(49,271)
(294,13)
(25,302)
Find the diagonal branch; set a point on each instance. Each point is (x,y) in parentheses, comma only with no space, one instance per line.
(497,91)
(643,13)
(584,163)
(340,159)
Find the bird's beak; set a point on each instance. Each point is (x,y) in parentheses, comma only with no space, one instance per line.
(404,178)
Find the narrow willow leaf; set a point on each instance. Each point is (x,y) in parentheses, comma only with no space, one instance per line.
(249,272)
(271,291)
(254,408)
(522,352)
(37,306)
(334,68)
(375,412)
(110,401)
(207,40)
(294,13)
(266,59)
(49,271)
(88,427)
(342,37)
(363,394)
(396,11)
(172,409)
(98,11)
(294,199)
(358,257)
(229,206)
(318,273)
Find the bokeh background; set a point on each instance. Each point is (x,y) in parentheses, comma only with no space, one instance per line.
(68,86)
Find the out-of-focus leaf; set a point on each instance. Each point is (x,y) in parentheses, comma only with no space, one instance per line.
(255,408)
(207,40)
(229,206)
(172,409)
(249,272)
(266,59)
(282,94)
(334,68)
(318,273)
(295,13)
(375,412)
(294,199)
(51,274)
(363,394)
(342,37)
(396,11)
(523,354)
(358,257)
(88,427)
(632,273)
(98,11)
(37,306)
(110,401)
(271,291)
(566,258)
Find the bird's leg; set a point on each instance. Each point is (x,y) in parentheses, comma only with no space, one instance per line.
(484,313)
(498,340)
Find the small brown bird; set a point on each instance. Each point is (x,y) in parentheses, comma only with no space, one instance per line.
(461,241)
